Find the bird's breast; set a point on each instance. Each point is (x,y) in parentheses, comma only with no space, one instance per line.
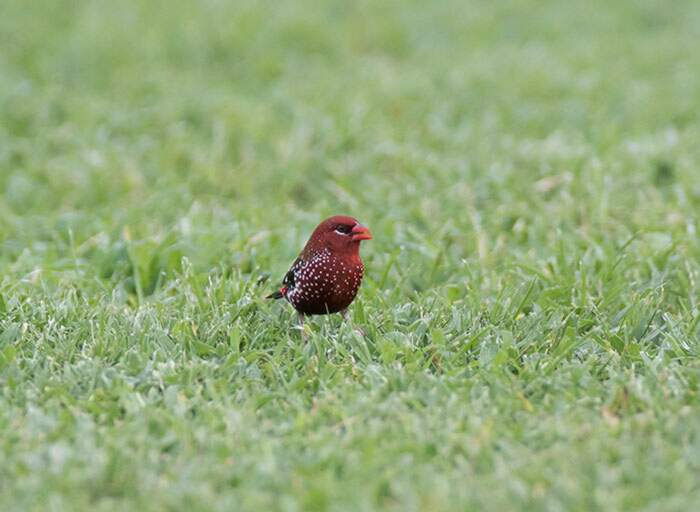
(325,284)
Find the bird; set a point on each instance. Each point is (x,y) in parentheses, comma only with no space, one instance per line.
(326,276)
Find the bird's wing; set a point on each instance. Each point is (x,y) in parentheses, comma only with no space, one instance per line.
(287,282)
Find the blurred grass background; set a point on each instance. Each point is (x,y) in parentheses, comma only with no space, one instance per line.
(529,170)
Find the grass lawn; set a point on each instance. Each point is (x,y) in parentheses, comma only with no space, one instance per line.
(530,173)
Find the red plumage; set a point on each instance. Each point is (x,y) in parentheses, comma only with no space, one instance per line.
(327,274)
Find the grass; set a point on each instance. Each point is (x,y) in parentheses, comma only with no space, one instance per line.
(529,170)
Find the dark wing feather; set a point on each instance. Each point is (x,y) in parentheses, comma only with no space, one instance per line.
(287,282)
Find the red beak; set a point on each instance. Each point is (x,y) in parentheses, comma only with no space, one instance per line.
(360,232)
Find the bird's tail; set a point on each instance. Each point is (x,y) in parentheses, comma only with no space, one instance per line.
(276,295)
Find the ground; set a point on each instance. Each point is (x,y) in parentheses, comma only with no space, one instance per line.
(529,171)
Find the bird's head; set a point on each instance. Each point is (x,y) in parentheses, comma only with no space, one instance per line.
(341,234)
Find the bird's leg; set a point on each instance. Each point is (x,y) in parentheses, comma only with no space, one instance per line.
(344,314)
(304,336)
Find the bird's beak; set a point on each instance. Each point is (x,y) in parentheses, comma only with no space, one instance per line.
(360,232)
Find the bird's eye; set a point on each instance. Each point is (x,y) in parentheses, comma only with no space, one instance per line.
(343,229)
